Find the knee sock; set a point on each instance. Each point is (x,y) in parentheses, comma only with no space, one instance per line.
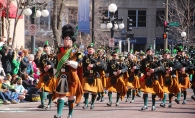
(145,96)
(133,94)
(110,96)
(50,99)
(164,99)
(178,96)
(184,95)
(99,94)
(102,94)
(117,97)
(170,98)
(71,106)
(128,93)
(93,99)
(42,96)
(60,106)
(153,100)
(86,96)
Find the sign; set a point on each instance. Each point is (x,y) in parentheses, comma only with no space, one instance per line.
(83,16)
(111,42)
(32,29)
(171,24)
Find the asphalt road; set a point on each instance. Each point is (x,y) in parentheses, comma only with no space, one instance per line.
(101,110)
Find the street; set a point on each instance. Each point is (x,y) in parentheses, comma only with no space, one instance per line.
(101,110)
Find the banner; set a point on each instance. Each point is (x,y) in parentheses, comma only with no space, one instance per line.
(83,16)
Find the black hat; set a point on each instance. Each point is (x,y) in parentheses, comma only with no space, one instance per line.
(68,31)
(150,48)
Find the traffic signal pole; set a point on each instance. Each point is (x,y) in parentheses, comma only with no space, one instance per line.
(166,20)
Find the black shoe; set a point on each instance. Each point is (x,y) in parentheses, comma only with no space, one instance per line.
(41,106)
(85,106)
(57,116)
(102,100)
(138,95)
(162,105)
(144,108)
(127,100)
(184,102)
(92,107)
(77,105)
(48,107)
(177,101)
(109,104)
(170,106)
(66,103)
(153,108)
(69,116)
(193,97)
(98,98)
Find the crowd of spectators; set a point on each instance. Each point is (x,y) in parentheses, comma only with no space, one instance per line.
(19,73)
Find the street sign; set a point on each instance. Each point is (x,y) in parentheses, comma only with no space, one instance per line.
(32,29)
(171,24)
(111,42)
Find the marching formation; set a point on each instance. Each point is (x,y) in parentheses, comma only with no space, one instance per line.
(79,75)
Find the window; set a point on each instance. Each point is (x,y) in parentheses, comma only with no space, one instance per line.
(160,18)
(138,17)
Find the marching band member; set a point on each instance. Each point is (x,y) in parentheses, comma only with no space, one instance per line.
(116,68)
(149,81)
(91,78)
(45,79)
(67,82)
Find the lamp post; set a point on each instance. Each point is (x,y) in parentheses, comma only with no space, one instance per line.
(112,22)
(183,35)
(32,9)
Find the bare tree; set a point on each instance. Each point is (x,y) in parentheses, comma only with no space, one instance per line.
(182,11)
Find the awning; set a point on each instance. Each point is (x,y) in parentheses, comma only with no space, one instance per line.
(12,9)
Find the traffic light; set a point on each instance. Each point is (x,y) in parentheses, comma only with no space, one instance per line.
(164,36)
(129,24)
(166,26)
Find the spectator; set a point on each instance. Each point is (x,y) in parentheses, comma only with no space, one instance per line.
(15,63)
(19,88)
(6,59)
(38,55)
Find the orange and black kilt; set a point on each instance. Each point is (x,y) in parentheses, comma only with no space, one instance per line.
(150,85)
(118,86)
(47,85)
(94,87)
(170,84)
(132,81)
(184,81)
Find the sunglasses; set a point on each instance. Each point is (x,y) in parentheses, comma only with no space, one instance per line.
(114,55)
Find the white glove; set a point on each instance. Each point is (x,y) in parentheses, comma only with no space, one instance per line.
(73,64)
(115,73)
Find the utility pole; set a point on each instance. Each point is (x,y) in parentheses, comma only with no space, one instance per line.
(93,13)
(166,20)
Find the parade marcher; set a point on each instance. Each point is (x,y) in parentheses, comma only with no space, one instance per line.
(116,69)
(183,73)
(132,82)
(67,82)
(45,78)
(168,79)
(101,58)
(149,81)
(91,78)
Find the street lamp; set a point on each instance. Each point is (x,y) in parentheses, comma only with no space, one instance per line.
(33,9)
(183,35)
(112,22)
